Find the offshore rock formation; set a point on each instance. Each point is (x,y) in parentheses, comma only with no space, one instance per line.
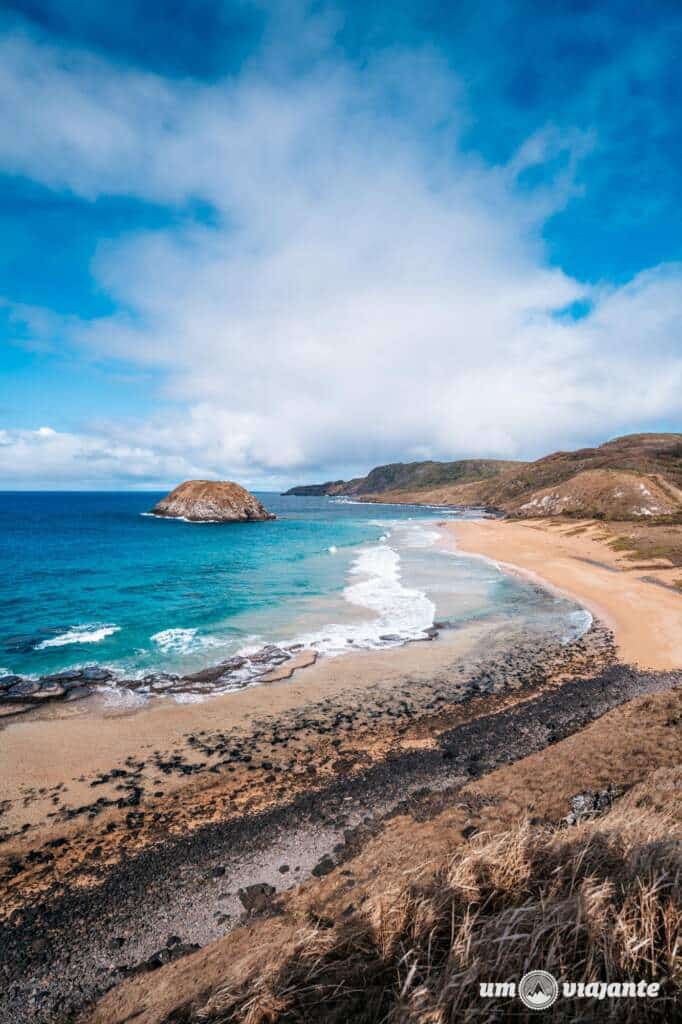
(212,501)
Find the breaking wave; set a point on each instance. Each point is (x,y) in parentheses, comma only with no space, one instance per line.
(85,634)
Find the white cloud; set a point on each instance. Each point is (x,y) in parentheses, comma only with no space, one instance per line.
(47,458)
(371,293)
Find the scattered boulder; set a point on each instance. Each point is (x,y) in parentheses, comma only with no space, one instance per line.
(94,674)
(257,898)
(77,693)
(323,866)
(49,690)
(215,672)
(212,501)
(591,803)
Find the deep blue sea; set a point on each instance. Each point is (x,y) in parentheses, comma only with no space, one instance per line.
(88,578)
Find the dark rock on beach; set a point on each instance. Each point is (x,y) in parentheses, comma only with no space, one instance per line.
(23,690)
(77,693)
(323,867)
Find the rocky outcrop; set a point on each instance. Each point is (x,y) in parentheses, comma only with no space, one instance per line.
(212,501)
(601,494)
(19,694)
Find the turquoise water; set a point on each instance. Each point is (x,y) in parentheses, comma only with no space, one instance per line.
(89,579)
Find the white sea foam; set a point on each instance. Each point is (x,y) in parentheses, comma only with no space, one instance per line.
(177,640)
(332,549)
(419,536)
(121,697)
(252,645)
(84,634)
(580,621)
(398,613)
(183,641)
(180,519)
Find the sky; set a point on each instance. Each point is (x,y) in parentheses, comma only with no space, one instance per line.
(281,242)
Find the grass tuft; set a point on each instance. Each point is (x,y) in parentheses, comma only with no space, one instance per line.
(598,902)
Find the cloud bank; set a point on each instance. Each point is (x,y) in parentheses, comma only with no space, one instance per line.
(357,288)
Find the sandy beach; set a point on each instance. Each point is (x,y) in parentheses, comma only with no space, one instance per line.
(284,781)
(639,602)
(80,742)
(75,744)
(629,739)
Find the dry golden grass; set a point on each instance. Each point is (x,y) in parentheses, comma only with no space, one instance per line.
(597,902)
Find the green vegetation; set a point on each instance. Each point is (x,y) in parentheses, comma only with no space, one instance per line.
(411,476)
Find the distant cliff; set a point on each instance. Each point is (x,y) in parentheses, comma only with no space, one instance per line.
(634,477)
(410,476)
(210,501)
(317,490)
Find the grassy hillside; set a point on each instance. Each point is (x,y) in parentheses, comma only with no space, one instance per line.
(629,478)
(412,476)
(438,901)
(613,466)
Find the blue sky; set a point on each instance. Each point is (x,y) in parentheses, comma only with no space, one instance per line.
(279,241)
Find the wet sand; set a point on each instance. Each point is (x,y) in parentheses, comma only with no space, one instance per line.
(73,744)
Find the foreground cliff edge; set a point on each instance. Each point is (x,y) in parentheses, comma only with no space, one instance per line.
(212,501)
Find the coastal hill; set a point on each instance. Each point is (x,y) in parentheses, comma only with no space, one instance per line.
(631,477)
(211,501)
(409,476)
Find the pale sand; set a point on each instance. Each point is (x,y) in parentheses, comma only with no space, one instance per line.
(641,608)
(48,747)
(84,739)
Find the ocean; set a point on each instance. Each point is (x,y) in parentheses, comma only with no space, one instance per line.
(89,579)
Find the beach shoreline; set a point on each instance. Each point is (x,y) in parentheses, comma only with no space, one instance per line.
(72,744)
(639,604)
(281,782)
(108,884)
